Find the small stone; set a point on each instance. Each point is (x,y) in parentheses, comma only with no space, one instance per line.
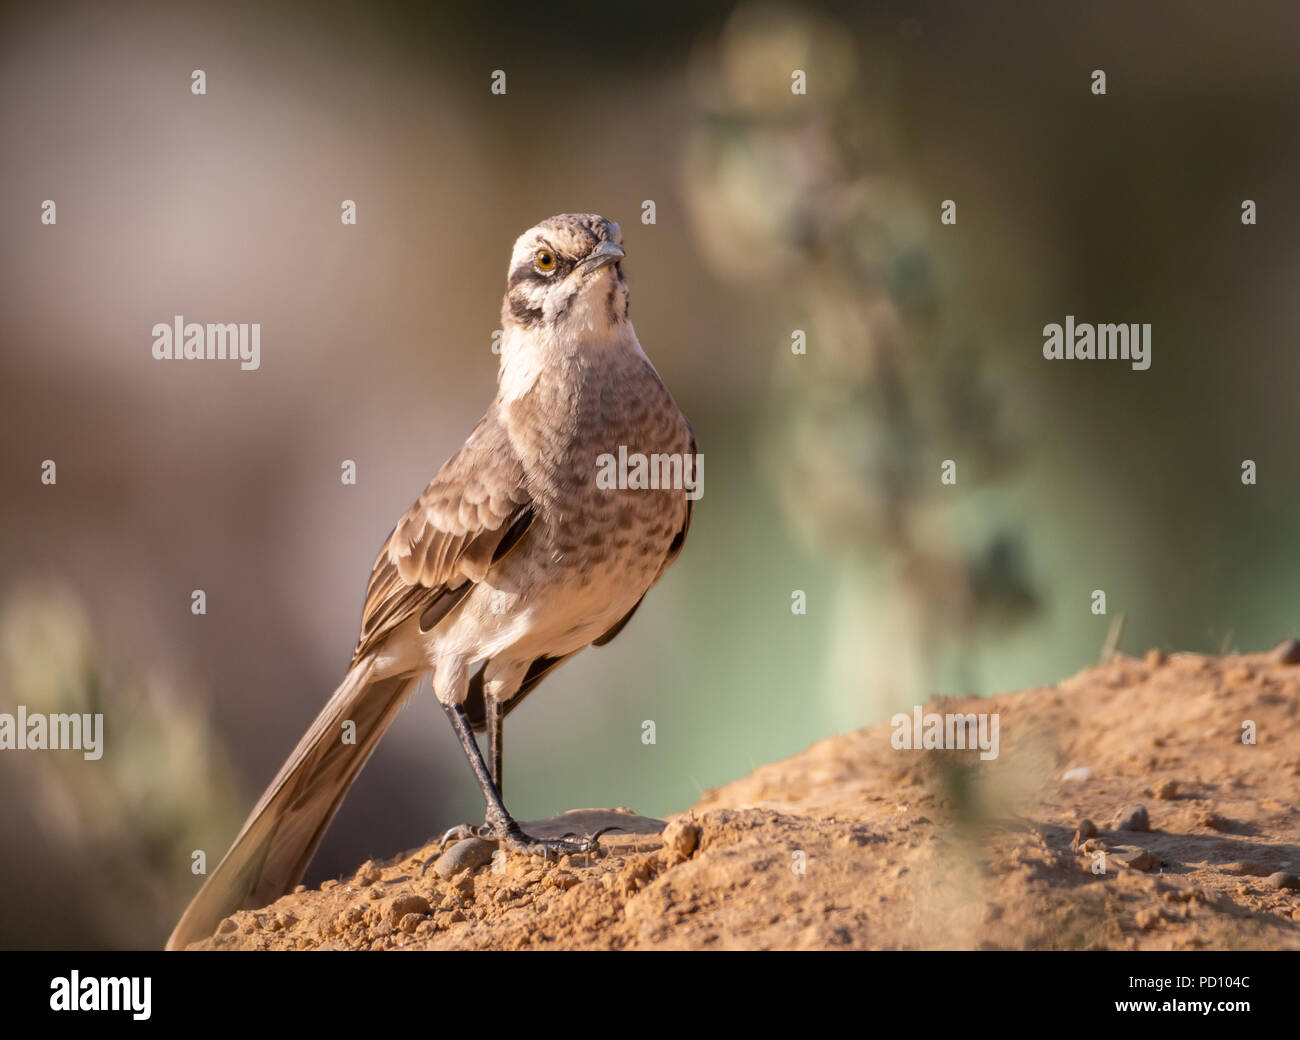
(1166,790)
(408,903)
(561,879)
(463,883)
(1078,775)
(1134,857)
(1281,879)
(227,926)
(469,854)
(1132,818)
(681,837)
(299,889)
(1147,919)
(367,873)
(1086,829)
(1287,652)
(410,922)
(1207,818)
(1155,657)
(1247,869)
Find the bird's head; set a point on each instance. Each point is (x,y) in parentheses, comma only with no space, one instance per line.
(565,281)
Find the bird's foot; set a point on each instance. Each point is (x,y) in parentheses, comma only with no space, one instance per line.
(509,835)
(513,838)
(484,831)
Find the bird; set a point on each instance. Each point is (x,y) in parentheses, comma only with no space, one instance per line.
(514,558)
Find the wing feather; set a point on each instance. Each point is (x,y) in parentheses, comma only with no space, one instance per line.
(450,537)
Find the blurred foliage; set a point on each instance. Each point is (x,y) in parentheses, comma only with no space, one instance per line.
(797,195)
(131,818)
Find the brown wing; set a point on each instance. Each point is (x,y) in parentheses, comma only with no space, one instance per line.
(471,514)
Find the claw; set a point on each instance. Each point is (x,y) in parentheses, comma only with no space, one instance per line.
(591,841)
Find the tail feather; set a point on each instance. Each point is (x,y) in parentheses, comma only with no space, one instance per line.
(278,840)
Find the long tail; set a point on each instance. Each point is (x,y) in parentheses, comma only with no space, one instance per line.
(281,834)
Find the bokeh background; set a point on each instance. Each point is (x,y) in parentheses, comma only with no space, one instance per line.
(774,212)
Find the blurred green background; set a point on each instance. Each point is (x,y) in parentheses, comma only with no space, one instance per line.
(774,212)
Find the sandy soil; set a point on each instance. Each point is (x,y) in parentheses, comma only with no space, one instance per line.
(853,844)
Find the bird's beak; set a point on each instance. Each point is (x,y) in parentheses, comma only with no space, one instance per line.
(605,253)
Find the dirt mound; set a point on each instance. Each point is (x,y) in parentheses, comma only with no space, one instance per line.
(854,844)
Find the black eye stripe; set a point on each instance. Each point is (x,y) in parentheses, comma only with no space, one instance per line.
(526,272)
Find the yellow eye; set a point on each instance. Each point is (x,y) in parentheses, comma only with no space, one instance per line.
(545,260)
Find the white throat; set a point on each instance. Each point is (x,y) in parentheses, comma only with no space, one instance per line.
(586,337)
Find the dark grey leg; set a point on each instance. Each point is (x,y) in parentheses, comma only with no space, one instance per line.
(500,825)
(496,725)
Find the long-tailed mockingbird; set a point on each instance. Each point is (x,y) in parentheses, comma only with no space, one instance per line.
(513,559)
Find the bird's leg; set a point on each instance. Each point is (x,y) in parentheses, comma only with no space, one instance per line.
(495,722)
(500,825)
(496,726)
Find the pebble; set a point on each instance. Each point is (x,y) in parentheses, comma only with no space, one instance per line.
(1134,857)
(1078,775)
(1247,869)
(1166,790)
(1282,879)
(1132,818)
(469,854)
(1086,829)
(1155,657)
(1213,820)
(1287,652)
(681,837)
(1147,919)
(402,905)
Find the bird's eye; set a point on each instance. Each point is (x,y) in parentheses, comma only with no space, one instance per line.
(545,260)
